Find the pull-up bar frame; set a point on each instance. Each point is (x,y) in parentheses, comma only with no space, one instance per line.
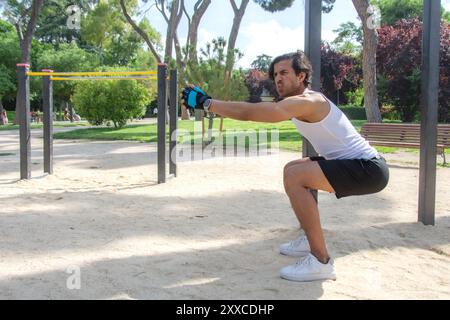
(49,76)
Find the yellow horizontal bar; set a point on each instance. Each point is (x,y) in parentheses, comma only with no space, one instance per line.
(101,78)
(106,73)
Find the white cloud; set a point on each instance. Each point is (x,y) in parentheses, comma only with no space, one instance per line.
(268,38)
(446,4)
(328,35)
(204,36)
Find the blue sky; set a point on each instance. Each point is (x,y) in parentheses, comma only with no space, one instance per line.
(262,32)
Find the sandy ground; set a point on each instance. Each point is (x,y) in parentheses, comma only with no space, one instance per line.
(101,223)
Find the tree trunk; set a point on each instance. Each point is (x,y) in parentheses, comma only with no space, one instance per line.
(369,61)
(25,42)
(179,55)
(199,11)
(140,31)
(238,15)
(176,12)
(190,59)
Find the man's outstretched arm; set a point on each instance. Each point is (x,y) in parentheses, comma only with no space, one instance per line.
(291,107)
(261,112)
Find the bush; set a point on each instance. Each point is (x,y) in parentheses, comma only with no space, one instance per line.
(150,109)
(399,61)
(354,113)
(10,116)
(113,100)
(356,97)
(340,74)
(389,112)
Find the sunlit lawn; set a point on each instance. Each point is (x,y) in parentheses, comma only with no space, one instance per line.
(289,138)
(60,124)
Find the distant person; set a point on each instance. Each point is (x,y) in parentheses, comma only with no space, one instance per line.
(4,116)
(76,117)
(66,114)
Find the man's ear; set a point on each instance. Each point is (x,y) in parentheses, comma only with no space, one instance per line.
(302,76)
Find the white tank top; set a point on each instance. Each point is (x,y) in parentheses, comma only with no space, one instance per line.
(334,137)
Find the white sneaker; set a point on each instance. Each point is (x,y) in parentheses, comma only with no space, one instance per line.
(309,269)
(297,248)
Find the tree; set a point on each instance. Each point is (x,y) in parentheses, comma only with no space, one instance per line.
(256,81)
(52,24)
(6,85)
(210,72)
(399,62)
(116,101)
(106,32)
(68,58)
(23,15)
(9,55)
(175,7)
(230,58)
(273,6)
(370,40)
(268,5)
(262,63)
(327,5)
(349,38)
(200,8)
(393,11)
(369,60)
(139,29)
(341,74)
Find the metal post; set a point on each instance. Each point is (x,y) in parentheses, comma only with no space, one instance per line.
(198,115)
(173,110)
(313,37)
(47,95)
(23,107)
(162,107)
(429,109)
(210,127)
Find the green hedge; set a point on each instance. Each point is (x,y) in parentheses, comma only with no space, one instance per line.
(354,113)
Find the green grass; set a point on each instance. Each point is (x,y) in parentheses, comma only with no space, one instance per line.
(11,115)
(11,126)
(144,133)
(288,136)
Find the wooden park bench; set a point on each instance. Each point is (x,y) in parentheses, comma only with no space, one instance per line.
(403,135)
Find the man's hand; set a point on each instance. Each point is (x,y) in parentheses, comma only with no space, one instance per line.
(194,97)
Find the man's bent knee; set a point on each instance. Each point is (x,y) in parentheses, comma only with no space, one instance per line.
(295,163)
(306,176)
(293,177)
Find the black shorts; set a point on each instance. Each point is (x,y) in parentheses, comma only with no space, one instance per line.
(355,177)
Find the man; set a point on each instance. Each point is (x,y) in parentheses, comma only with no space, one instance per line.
(348,164)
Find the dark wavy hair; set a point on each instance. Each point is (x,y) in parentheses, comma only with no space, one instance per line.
(300,63)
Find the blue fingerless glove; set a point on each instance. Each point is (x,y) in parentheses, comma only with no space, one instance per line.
(194,97)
